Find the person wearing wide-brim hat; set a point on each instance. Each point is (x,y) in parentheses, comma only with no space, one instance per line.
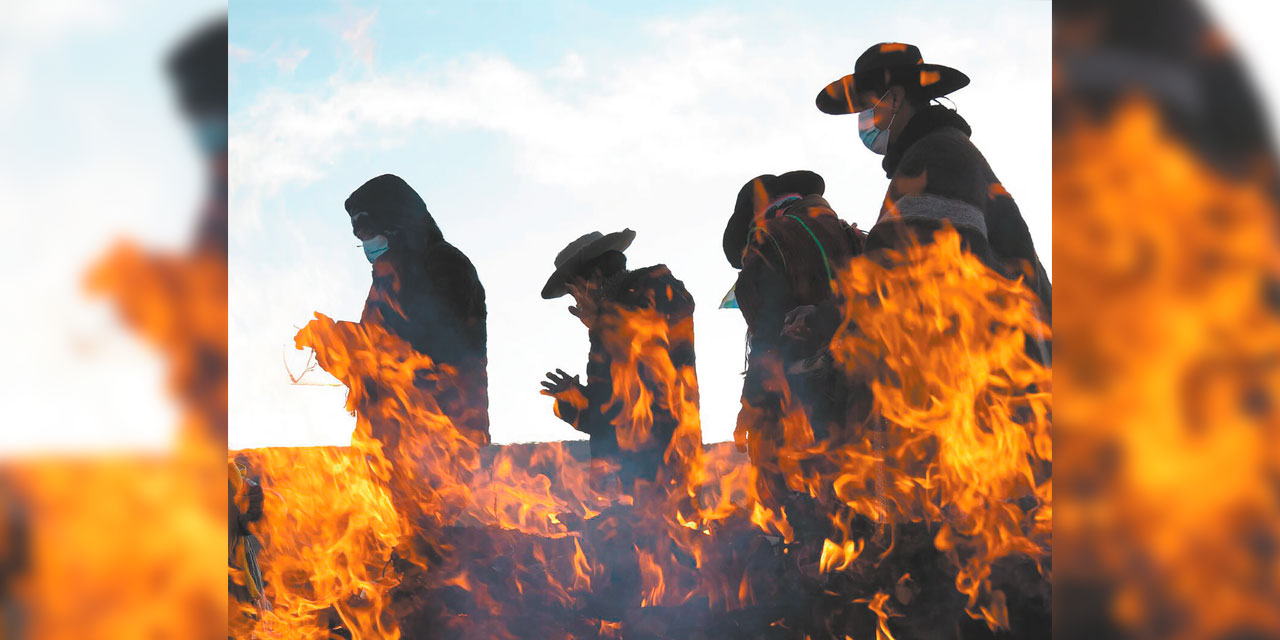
(937,175)
(608,296)
(790,247)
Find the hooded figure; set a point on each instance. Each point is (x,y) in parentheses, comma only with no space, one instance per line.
(198,69)
(935,172)
(617,305)
(425,291)
(790,246)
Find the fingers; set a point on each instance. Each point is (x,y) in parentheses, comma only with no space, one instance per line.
(563,374)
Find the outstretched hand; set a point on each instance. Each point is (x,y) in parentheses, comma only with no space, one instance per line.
(558,383)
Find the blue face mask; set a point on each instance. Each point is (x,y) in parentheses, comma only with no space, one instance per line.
(875,139)
(374,247)
(211,134)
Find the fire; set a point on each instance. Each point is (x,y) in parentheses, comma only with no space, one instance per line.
(133,545)
(1170,430)
(417,526)
(844,554)
(138,541)
(177,302)
(960,435)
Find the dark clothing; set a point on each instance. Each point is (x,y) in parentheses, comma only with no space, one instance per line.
(791,260)
(434,300)
(617,336)
(937,173)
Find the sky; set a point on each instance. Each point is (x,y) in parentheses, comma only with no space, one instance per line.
(524,128)
(95,151)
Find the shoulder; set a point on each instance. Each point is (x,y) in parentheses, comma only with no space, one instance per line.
(656,275)
(655,283)
(443,257)
(940,145)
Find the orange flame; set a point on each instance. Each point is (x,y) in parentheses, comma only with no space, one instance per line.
(960,442)
(1167,437)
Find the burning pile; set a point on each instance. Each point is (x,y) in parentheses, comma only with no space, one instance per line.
(931,516)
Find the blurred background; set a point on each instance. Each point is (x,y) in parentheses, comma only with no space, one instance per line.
(113,448)
(1167,434)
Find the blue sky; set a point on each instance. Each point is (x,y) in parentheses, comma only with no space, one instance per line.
(524,127)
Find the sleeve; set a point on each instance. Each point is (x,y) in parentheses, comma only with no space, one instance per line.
(584,407)
(764,296)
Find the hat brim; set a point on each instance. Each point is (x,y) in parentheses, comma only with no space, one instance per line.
(841,96)
(558,284)
(805,183)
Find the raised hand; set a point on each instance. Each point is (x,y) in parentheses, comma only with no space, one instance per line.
(558,383)
(585,308)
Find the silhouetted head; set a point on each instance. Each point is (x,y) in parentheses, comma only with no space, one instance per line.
(387,206)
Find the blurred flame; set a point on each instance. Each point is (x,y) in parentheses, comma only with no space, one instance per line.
(1169,444)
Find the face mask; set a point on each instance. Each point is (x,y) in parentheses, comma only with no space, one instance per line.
(874,138)
(374,247)
(211,134)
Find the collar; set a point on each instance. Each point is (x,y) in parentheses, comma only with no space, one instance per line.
(922,124)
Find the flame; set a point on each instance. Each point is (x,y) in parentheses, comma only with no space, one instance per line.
(878,606)
(959,443)
(844,554)
(960,435)
(1168,435)
(131,545)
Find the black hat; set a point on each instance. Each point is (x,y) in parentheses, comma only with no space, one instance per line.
(578,253)
(757,193)
(386,203)
(882,66)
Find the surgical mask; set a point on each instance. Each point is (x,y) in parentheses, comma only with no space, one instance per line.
(211,134)
(374,247)
(874,138)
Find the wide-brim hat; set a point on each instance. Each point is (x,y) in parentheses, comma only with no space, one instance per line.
(757,193)
(586,248)
(884,65)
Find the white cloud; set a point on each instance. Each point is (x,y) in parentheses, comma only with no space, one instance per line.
(358,38)
(571,68)
(288,63)
(240,54)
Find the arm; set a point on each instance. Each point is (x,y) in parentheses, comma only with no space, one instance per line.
(582,406)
